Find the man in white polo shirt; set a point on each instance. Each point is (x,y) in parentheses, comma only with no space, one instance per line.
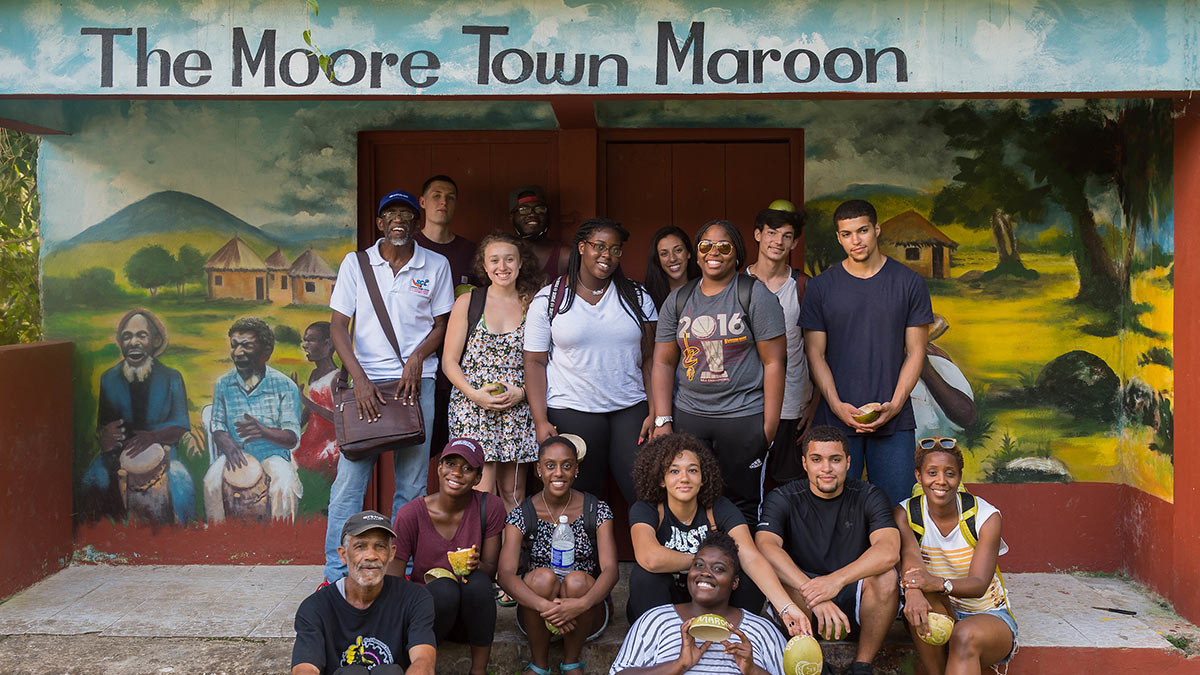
(418,292)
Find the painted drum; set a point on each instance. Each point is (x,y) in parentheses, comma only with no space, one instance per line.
(940,627)
(709,628)
(142,479)
(802,656)
(244,491)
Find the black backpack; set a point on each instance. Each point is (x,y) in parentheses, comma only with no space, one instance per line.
(591,517)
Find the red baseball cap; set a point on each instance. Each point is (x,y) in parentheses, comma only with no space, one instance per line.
(467,448)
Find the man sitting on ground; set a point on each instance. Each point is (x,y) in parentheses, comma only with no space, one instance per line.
(834,546)
(367,622)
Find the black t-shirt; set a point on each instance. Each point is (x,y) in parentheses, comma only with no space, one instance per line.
(825,535)
(864,322)
(331,633)
(686,537)
(459,252)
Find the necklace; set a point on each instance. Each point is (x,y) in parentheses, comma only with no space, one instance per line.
(594,293)
(570,496)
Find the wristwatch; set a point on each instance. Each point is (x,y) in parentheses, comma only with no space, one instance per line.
(662,419)
(947,586)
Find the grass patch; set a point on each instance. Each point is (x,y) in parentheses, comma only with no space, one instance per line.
(1181,642)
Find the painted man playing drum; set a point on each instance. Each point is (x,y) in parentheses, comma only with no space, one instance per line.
(255,421)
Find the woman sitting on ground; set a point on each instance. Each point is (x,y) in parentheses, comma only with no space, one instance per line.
(951,568)
(573,605)
(658,643)
(454,518)
(679,502)
(670,263)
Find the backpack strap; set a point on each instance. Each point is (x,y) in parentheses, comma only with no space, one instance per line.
(474,314)
(684,294)
(969,508)
(558,294)
(916,515)
(801,280)
(591,516)
(529,517)
(482,520)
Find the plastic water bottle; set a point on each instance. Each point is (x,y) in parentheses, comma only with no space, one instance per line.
(562,548)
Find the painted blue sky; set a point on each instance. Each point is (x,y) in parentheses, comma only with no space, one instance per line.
(952,45)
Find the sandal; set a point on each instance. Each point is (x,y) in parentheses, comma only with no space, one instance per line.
(564,667)
(503,599)
(536,670)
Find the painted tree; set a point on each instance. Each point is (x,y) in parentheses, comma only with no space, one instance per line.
(20,302)
(151,268)
(189,266)
(988,191)
(821,247)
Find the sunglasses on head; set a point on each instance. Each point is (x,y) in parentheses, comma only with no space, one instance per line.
(723,247)
(943,442)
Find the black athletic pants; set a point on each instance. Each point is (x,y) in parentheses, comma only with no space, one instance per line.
(741,450)
(464,612)
(651,589)
(356,669)
(612,445)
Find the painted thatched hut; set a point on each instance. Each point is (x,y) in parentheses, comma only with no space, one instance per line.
(312,279)
(236,271)
(277,278)
(911,239)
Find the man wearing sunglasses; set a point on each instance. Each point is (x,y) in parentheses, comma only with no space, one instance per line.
(530,214)
(866,325)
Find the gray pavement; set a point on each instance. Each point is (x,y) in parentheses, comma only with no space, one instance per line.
(209,618)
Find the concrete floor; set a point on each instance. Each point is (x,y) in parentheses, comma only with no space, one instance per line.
(141,613)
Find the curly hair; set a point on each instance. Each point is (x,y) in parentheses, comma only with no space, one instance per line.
(655,458)
(657,283)
(529,278)
(257,327)
(725,544)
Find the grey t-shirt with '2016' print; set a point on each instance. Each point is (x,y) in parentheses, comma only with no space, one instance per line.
(719,372)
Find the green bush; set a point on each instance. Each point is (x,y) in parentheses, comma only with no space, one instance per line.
(20,305)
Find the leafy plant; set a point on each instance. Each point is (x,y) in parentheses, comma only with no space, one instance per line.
(20,302)
(1157,355)
(323,59)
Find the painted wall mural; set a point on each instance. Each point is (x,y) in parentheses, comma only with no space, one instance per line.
(186,241)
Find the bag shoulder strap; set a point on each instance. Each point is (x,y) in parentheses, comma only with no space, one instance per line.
(801,280)
(529,517)
(712,520)
(558,293)
(916,516)
(364,264)
(969,508)
(591,516)
(745,287)
(474,313)
(684,294)
(482,520)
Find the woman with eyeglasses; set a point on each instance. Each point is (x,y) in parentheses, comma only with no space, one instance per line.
(588,339)
(670,264)
(949,544)
(719,363)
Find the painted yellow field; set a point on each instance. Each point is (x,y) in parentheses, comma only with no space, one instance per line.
(1001,337)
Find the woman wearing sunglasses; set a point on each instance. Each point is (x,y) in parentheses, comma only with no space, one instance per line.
(587,356)
(721,338)
(949,544)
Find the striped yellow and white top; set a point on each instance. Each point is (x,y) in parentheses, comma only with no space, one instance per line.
(949,556)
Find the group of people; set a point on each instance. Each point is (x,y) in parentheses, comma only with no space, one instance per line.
(689,391)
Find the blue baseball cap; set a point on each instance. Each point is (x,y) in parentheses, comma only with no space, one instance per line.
(398,196)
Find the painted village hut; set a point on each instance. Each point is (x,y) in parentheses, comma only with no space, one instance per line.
(277,278)
(918,243)
(236,271)
(311,279)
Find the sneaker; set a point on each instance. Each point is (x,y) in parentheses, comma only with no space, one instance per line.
(860,668)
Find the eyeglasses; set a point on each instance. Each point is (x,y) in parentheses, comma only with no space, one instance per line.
(526,210)
(723,247)
(937,441)
(600,247)
(404,214)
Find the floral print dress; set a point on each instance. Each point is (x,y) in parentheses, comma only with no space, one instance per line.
(506,435)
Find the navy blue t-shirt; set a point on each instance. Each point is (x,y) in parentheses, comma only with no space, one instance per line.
(864,322)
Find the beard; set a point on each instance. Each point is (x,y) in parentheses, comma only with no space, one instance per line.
(137,373)
(399,242)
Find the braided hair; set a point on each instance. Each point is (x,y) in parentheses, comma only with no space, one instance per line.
(628,292)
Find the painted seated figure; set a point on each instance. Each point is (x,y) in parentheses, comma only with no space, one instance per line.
(142,414)
(255,427)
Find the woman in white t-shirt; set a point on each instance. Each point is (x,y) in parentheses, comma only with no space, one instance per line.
(948,565)
(588,337)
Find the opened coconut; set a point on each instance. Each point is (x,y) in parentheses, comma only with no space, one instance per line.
(940,627)
(870,413)
(710,628)
(802,656)
(438,573)
(458,560)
